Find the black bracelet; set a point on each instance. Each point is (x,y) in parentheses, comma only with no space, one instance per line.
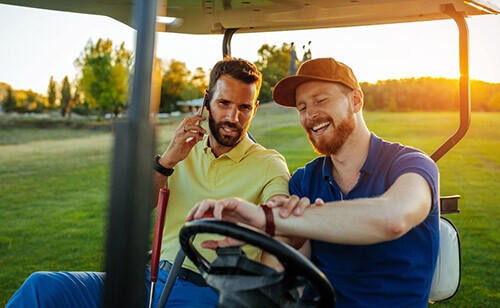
(159,168)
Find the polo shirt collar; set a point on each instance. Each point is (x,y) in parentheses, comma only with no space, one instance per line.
(237,153)
(327,168)
(370,162)
(373,154)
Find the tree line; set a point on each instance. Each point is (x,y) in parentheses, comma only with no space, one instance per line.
(27,101)
(102,84)
(410,94)
(428,94)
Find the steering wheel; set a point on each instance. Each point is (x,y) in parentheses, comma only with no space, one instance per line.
(298,269)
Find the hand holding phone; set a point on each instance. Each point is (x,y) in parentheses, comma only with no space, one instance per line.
(200,113)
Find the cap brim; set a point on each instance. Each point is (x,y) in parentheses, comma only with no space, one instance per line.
(284,91)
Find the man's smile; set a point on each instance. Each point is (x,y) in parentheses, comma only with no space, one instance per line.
(319,128)
(229,130)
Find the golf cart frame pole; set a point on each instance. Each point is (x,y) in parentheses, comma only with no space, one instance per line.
(226,42)
(465,104)
(132,178)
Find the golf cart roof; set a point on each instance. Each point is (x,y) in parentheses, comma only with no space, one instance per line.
(214,16)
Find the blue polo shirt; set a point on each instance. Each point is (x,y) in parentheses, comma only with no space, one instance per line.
(396,273)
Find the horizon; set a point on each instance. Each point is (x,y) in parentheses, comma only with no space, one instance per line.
(361,82)
(41,43)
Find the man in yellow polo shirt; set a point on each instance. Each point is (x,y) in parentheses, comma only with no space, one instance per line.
(222,164)
(211,166)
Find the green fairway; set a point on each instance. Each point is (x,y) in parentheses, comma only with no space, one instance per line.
(54,187)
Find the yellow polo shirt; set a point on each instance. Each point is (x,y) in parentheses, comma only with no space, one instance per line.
(248,171)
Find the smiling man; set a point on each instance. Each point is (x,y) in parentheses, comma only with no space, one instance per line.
(206,166)
(376,237)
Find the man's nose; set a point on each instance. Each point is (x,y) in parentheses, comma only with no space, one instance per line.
(312,112)
(233,115)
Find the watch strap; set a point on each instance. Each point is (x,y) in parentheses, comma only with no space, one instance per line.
(160,169)
(270,226)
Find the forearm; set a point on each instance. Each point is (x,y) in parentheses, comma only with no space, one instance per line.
(158,182)
(358,222)
(364,221)
(159,179)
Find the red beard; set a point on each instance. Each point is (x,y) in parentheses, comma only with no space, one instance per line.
(331,144)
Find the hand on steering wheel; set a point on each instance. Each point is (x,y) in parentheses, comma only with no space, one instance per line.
(297,267)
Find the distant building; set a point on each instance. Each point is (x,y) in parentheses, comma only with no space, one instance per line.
(191,106)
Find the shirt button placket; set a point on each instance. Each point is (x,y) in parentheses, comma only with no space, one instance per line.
(337,191)
(212,173)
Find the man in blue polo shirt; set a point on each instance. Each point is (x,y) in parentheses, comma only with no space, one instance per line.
(376,237)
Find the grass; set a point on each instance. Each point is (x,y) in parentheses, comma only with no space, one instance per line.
(54,192)
(10,135)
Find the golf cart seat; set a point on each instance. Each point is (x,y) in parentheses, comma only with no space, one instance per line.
(446,278)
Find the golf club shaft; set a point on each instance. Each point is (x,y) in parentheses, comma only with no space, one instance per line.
(151,292)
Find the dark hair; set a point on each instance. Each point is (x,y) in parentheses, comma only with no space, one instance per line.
(238,69)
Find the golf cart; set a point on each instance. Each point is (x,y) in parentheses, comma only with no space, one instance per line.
(134,144)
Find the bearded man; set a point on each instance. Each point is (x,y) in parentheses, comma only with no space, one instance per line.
(376,238)
(206,166)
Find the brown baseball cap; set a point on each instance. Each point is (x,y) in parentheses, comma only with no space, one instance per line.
(321,69)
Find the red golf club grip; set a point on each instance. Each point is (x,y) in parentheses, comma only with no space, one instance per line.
(161,208)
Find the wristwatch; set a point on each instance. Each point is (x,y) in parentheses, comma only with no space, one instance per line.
(159,168)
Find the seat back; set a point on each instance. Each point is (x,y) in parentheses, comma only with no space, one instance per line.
(448,267)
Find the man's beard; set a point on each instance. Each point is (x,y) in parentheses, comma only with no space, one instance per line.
(331,144)
(223,140)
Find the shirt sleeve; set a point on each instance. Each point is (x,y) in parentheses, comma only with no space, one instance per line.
(419,163)
(277,177)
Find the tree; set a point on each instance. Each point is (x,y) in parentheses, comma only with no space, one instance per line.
(494,102)
(199,80)
(105,74)
(3,90)
(76,97)
(175,78)
(65,96)
(29,101)
(9,103)
(196,86)
(52,93)
(75,100)
(273,63)
(369,102)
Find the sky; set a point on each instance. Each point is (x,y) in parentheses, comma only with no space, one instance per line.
(36,44)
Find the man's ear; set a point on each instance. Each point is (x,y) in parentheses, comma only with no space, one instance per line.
(357,99)
(255,109)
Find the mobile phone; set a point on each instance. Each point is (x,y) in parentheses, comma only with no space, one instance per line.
(206,101)
(203,108)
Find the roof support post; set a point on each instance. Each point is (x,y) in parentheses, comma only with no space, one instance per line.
(465,105)
(131,188)
(226,42)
